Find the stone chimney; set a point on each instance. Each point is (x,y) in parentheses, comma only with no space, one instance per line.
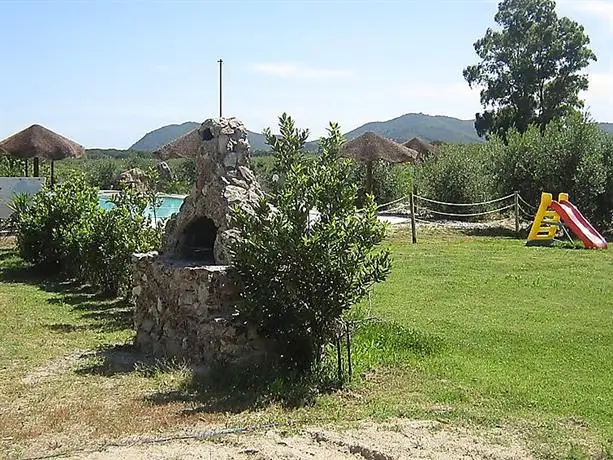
(186,297)
(201,229)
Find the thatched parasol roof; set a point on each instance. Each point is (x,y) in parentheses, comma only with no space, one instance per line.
(40,142)
(424,148)
(371,147)
(185,146)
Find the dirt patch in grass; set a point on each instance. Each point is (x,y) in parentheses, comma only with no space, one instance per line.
(53,369)
(373,441)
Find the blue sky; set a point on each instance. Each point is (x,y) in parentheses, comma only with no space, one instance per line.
(105,73)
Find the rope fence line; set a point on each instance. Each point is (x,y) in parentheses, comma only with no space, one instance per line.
(404,198)
(474,214)
(464,204)
(412,210)
(528,205)
(522,210)
(526,213)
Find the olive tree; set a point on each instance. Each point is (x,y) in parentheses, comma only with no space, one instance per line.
(301,270)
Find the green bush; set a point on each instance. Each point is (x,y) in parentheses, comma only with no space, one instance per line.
(573,156)
(459,173)
(184,175)
(10,167)
(53,227)
(389,181)
(263,169)
(115,235)
(103,173)
(300,274)
(65,231)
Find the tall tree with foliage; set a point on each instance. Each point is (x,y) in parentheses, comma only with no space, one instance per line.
(300,272)
(530,69)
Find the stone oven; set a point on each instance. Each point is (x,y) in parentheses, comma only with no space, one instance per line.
(199,240)
(186,296)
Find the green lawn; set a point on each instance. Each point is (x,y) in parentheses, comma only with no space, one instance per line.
(489,333)
(525,332)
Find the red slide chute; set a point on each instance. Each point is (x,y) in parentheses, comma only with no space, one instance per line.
(570,215)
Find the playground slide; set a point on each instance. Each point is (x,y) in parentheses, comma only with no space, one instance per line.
(579,225)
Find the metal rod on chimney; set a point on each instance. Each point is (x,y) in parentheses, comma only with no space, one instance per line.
(220,87)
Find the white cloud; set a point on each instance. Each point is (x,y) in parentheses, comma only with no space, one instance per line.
(599,97)
(299,71)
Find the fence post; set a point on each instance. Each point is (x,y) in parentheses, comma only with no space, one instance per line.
(516,193)
(413,229)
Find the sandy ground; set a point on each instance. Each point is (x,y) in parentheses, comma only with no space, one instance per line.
(395,439)
(399,439)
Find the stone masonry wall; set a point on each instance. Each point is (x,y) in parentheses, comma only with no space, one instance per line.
(189,312)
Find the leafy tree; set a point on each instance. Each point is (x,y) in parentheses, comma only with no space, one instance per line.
(530,69)
(301,273)
(458,173)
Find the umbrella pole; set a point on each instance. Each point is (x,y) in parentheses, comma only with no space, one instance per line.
(36,172)
(369,177)
(52,173)
(25,168)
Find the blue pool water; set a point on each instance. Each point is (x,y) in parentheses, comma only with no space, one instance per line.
(169,204)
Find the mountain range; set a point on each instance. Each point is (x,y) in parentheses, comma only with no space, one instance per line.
(428,127)
(161,136)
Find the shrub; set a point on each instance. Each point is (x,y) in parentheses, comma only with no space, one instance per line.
(263,170)
(10,167)
(115,235)
(185,175)
(300,274)
(389,181)
(103,173)
(64,230)
(53,227)
(572,156)
(459,173)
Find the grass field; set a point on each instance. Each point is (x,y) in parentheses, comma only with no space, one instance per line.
(526,333)
(479,331)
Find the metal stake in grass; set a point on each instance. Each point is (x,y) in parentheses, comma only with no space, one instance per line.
(339,360)
(348,336)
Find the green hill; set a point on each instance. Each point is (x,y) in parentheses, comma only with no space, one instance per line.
(155,139)
(608,127)
(428,127)
(400,129)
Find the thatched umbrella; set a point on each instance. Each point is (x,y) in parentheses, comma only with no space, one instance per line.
(185,146)
(39,142)
(424,148)
(371,147)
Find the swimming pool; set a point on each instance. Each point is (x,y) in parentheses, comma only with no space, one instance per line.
(169,204)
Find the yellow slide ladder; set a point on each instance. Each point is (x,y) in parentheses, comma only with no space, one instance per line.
(546,221)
